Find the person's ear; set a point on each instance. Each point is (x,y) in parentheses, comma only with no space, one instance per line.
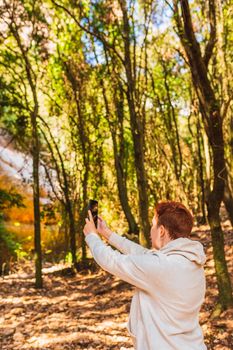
(162,231)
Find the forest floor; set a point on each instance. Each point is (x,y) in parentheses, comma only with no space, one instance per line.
(89,310)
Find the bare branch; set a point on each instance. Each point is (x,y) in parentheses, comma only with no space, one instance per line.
(212,40)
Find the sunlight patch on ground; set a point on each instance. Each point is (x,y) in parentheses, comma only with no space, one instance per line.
(54,268)
(11,300)
(53,338)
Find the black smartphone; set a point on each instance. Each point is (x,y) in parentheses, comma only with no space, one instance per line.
(93,207)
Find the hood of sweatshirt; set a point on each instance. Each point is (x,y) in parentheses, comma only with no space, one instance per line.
(192,250)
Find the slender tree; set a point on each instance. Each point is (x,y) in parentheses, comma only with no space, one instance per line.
(56,161)
(16,15)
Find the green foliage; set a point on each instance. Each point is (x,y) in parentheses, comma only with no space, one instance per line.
(10,249)
(10,199)
(8,239)
(68,258)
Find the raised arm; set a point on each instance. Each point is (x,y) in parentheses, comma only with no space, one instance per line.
(125,245)
(121,243)
(134,269)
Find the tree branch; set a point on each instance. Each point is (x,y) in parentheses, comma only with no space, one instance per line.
(212,40)
(88,31)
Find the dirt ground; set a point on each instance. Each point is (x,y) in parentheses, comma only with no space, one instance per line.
(90,310)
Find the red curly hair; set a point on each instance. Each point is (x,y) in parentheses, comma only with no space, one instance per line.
(175,217)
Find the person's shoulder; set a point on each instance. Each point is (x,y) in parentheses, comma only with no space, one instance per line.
(155,255)
(150,256)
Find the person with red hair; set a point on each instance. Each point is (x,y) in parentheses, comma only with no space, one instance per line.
(169,278)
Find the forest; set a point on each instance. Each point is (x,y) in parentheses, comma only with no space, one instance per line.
(128,102)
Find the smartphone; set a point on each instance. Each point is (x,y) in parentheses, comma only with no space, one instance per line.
(93,207)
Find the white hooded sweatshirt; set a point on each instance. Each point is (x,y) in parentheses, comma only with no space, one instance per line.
(170,289)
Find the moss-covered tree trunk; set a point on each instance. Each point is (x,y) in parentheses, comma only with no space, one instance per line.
(212,119)
(137,131)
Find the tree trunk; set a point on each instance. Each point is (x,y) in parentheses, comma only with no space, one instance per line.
(83,140)
(137,133)
(201,172)
(36,200)
(72,232)
(212,120)
(228,201)
(122,190)
(174,138)
(213,204)
(83,214)
(222,78)
(119,154)
(35,155)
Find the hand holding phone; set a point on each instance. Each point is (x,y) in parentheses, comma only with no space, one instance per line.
(103,228)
